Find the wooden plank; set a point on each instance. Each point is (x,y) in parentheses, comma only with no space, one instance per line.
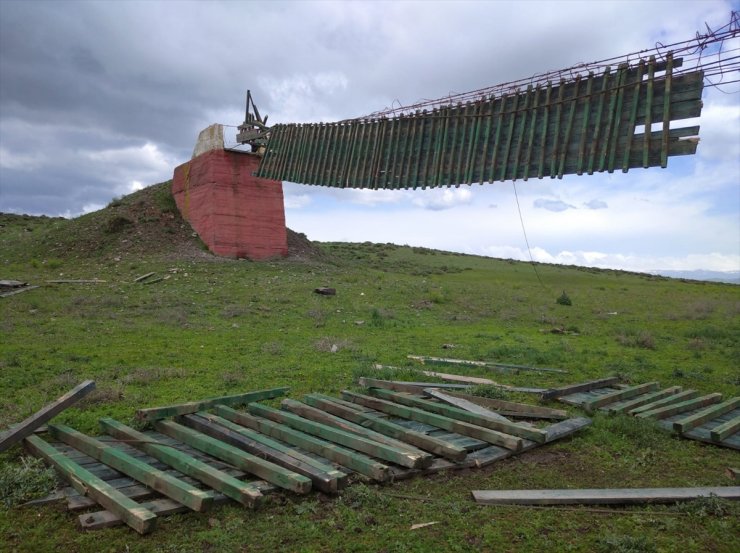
(485,421)
(618,496)
(446,423)
(464,404)
(320,416)
(156,413)
(623,407)
(372,448)
(366,382)
(460,378)
(166,484)
(543,131)
(345,457)
(243,492)
(136,516)
(378,424)
(633,116)
(554,393)
(627,393)
(29,425)
(109,519)
(666,110)
(584,122)
(670,400)
(512,408)
(648,113)
(725,430)
(690,405)
(597,124)
(705,415)
(423,359)
(273,466)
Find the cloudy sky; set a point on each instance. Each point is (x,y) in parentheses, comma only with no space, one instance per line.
(98,99)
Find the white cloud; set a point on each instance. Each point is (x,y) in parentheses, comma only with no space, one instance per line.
(596,204)
(437,200)
(552,205)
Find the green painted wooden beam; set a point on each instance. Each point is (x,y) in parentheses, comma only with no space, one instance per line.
(446,423)
(456,413)
(320,416)
(166,484)
(619,395)
(323,475)
(156,413)
(554,393)
(670,400)
(258,461)
(677,408)
(506,408)
(644,400)
(137,517)
(383,426)
(725,430)
(706,415)
(372,448)
(345,457)
(243,492)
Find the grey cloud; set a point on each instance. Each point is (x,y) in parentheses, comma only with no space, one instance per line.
(552,205)
(596,204)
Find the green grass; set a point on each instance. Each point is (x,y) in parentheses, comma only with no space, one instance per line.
(217,327)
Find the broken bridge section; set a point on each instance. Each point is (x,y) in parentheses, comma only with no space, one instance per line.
(235,213)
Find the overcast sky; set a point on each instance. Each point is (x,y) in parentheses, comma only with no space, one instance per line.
(98,99)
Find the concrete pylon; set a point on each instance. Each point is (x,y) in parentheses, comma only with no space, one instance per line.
(235,213)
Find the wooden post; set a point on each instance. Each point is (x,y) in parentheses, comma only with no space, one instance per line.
(243,492)
(172,487)
(137,517)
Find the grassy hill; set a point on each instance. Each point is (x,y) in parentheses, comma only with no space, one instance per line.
(216,326)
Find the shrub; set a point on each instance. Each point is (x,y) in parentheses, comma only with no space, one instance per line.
(564,299)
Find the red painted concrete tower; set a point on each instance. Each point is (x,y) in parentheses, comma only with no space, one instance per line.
(235,213)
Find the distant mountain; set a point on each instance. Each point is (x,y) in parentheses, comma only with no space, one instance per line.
(731,277)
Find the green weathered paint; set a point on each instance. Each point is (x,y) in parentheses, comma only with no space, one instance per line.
(682,407)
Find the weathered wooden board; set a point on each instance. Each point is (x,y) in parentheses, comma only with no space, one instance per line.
(507,408)
(621,496)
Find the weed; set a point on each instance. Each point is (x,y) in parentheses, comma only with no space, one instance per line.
(709,506)
(487,390)
(273,348)
(632,339)
(117,224)
(29,480)
(333,345)
(361,495)
(319,317)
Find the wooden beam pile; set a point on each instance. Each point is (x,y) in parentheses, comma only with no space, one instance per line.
(705,418)
(207,452)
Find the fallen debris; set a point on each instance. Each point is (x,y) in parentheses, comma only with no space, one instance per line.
(506,408)
(76,281)
(17,291)
(28,426)
(325,291)
(618,496)
(423,525)
(12,284)
(143,277)
(554,393)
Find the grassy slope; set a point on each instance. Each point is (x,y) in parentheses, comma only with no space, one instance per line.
(219,326)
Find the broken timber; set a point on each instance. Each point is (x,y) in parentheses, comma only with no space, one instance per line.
(506,408)
(623,496)
(423,359)
(28,426)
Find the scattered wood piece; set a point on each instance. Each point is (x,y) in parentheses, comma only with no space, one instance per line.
(619,496)
(156,413)
(12,284)
(512,408)
(76,281)
(154,280)
(684,406)
(423,525)
(485,364)
(324,291)
(553,393)
(644,400)
(17,291)
(732,473)
(143,277)
(627,393)
(32,423)
(670,400)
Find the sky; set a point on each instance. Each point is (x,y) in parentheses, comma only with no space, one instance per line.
(99,99)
